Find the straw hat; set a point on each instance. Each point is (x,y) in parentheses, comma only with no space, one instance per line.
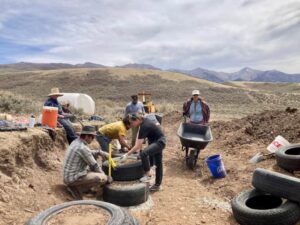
(55,92)
(88,130)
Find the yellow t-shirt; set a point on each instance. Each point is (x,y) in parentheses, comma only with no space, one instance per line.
(114,130)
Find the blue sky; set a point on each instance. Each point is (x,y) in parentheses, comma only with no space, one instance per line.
(223,35)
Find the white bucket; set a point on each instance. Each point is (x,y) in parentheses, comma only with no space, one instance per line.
(277,144)
(31,122)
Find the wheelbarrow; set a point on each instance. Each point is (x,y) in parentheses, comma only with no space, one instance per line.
(193,138)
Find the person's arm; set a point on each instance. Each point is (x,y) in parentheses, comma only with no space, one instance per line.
(123,142)
(87,156)
(137,147)
(127,110)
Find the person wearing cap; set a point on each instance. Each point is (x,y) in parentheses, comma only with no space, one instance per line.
(117,130)
(134,107)
(154,150)
(81,171)
(62,117)
(196,109)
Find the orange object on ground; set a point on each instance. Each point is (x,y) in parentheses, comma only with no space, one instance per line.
(49,116)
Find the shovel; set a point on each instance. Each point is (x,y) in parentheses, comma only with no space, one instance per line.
(259,157)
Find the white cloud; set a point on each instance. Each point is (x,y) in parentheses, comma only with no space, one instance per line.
(213,34)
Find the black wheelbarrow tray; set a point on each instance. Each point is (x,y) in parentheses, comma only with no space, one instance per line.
(193,138)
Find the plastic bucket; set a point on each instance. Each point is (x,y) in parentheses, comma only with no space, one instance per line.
(216,166)
(277,144)
(31,122)
(49,116)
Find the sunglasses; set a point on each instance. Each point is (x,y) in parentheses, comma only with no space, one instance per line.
(195,95)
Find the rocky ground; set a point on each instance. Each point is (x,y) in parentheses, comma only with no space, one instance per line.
(31,180)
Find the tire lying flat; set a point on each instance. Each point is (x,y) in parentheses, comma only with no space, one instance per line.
(118,216)
(254,207)
(127,194)
(288,157)
(125,172)
(277,184)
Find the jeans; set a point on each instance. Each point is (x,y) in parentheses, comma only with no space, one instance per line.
(154,151)
(103,141)
(71,134)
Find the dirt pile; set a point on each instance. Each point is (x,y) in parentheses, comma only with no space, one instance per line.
(259,128)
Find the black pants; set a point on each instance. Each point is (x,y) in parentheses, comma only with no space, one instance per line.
(71,134)
(154,151)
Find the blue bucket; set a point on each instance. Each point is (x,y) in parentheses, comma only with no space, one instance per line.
(216,166)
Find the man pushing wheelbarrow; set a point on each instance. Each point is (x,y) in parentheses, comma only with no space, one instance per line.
(195,133)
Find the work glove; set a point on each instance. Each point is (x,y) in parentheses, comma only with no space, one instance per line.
(123,158)
(109,179)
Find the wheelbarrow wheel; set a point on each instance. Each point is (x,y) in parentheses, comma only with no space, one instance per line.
(191,160)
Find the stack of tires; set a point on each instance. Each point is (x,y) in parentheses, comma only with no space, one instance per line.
(288,157)
(274,201)
(126,190)
(118,216)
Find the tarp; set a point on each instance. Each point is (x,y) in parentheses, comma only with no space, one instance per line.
(79,101)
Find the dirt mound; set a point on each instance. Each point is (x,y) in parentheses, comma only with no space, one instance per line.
(260,128)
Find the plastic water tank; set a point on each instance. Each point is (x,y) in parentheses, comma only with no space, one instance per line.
(79,101)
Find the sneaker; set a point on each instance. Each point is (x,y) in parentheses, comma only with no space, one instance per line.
(74,192)
(145,179)
(155,188)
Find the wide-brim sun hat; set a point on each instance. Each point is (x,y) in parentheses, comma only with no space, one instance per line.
(90,130)
(54,92)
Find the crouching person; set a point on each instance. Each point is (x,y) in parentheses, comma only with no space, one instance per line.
(81,170)
(157,143)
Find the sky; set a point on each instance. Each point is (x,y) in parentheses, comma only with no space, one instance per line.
(222,35)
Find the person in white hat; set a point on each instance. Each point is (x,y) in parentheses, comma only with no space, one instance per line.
(64,121)
(196,109)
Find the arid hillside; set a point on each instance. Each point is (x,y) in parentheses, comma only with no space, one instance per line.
(111,88)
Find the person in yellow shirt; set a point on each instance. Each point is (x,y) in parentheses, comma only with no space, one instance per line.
(117,130)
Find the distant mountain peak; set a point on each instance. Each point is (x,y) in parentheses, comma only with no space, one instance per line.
(139,66)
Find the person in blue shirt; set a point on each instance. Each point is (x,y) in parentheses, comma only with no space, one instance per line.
(62,118)
(134,107)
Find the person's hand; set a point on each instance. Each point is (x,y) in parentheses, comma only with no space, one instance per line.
(123,158)
(104,155)
(109,179)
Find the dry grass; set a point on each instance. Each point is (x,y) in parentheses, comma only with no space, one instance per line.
(111,89)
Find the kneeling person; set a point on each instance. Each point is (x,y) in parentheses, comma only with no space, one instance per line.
(157,143)
(81,170)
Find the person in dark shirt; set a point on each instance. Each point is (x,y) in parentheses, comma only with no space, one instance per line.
(157,142)
(62,119)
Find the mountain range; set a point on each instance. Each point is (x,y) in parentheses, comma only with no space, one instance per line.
(245,74)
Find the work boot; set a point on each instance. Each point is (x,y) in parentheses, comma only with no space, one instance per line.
(155,188)
(74,192)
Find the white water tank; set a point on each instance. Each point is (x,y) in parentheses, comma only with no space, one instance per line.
(79,101)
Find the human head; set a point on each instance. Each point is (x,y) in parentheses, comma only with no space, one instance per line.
(54,93)
(126,122)
(195,94)
(134,98)
(88,134)
(135,119)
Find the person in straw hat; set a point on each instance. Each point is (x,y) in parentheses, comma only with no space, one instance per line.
(62,118)
(81,171)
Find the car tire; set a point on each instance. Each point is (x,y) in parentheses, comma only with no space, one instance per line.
(125,172)
(118,216)
(254,207)
(277,184)
(288,157)
(126,194)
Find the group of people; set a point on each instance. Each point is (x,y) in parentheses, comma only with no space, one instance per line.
(81,170)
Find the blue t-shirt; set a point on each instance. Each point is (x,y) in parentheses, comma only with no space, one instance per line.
(134,108)
(196,112)
(54,103)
